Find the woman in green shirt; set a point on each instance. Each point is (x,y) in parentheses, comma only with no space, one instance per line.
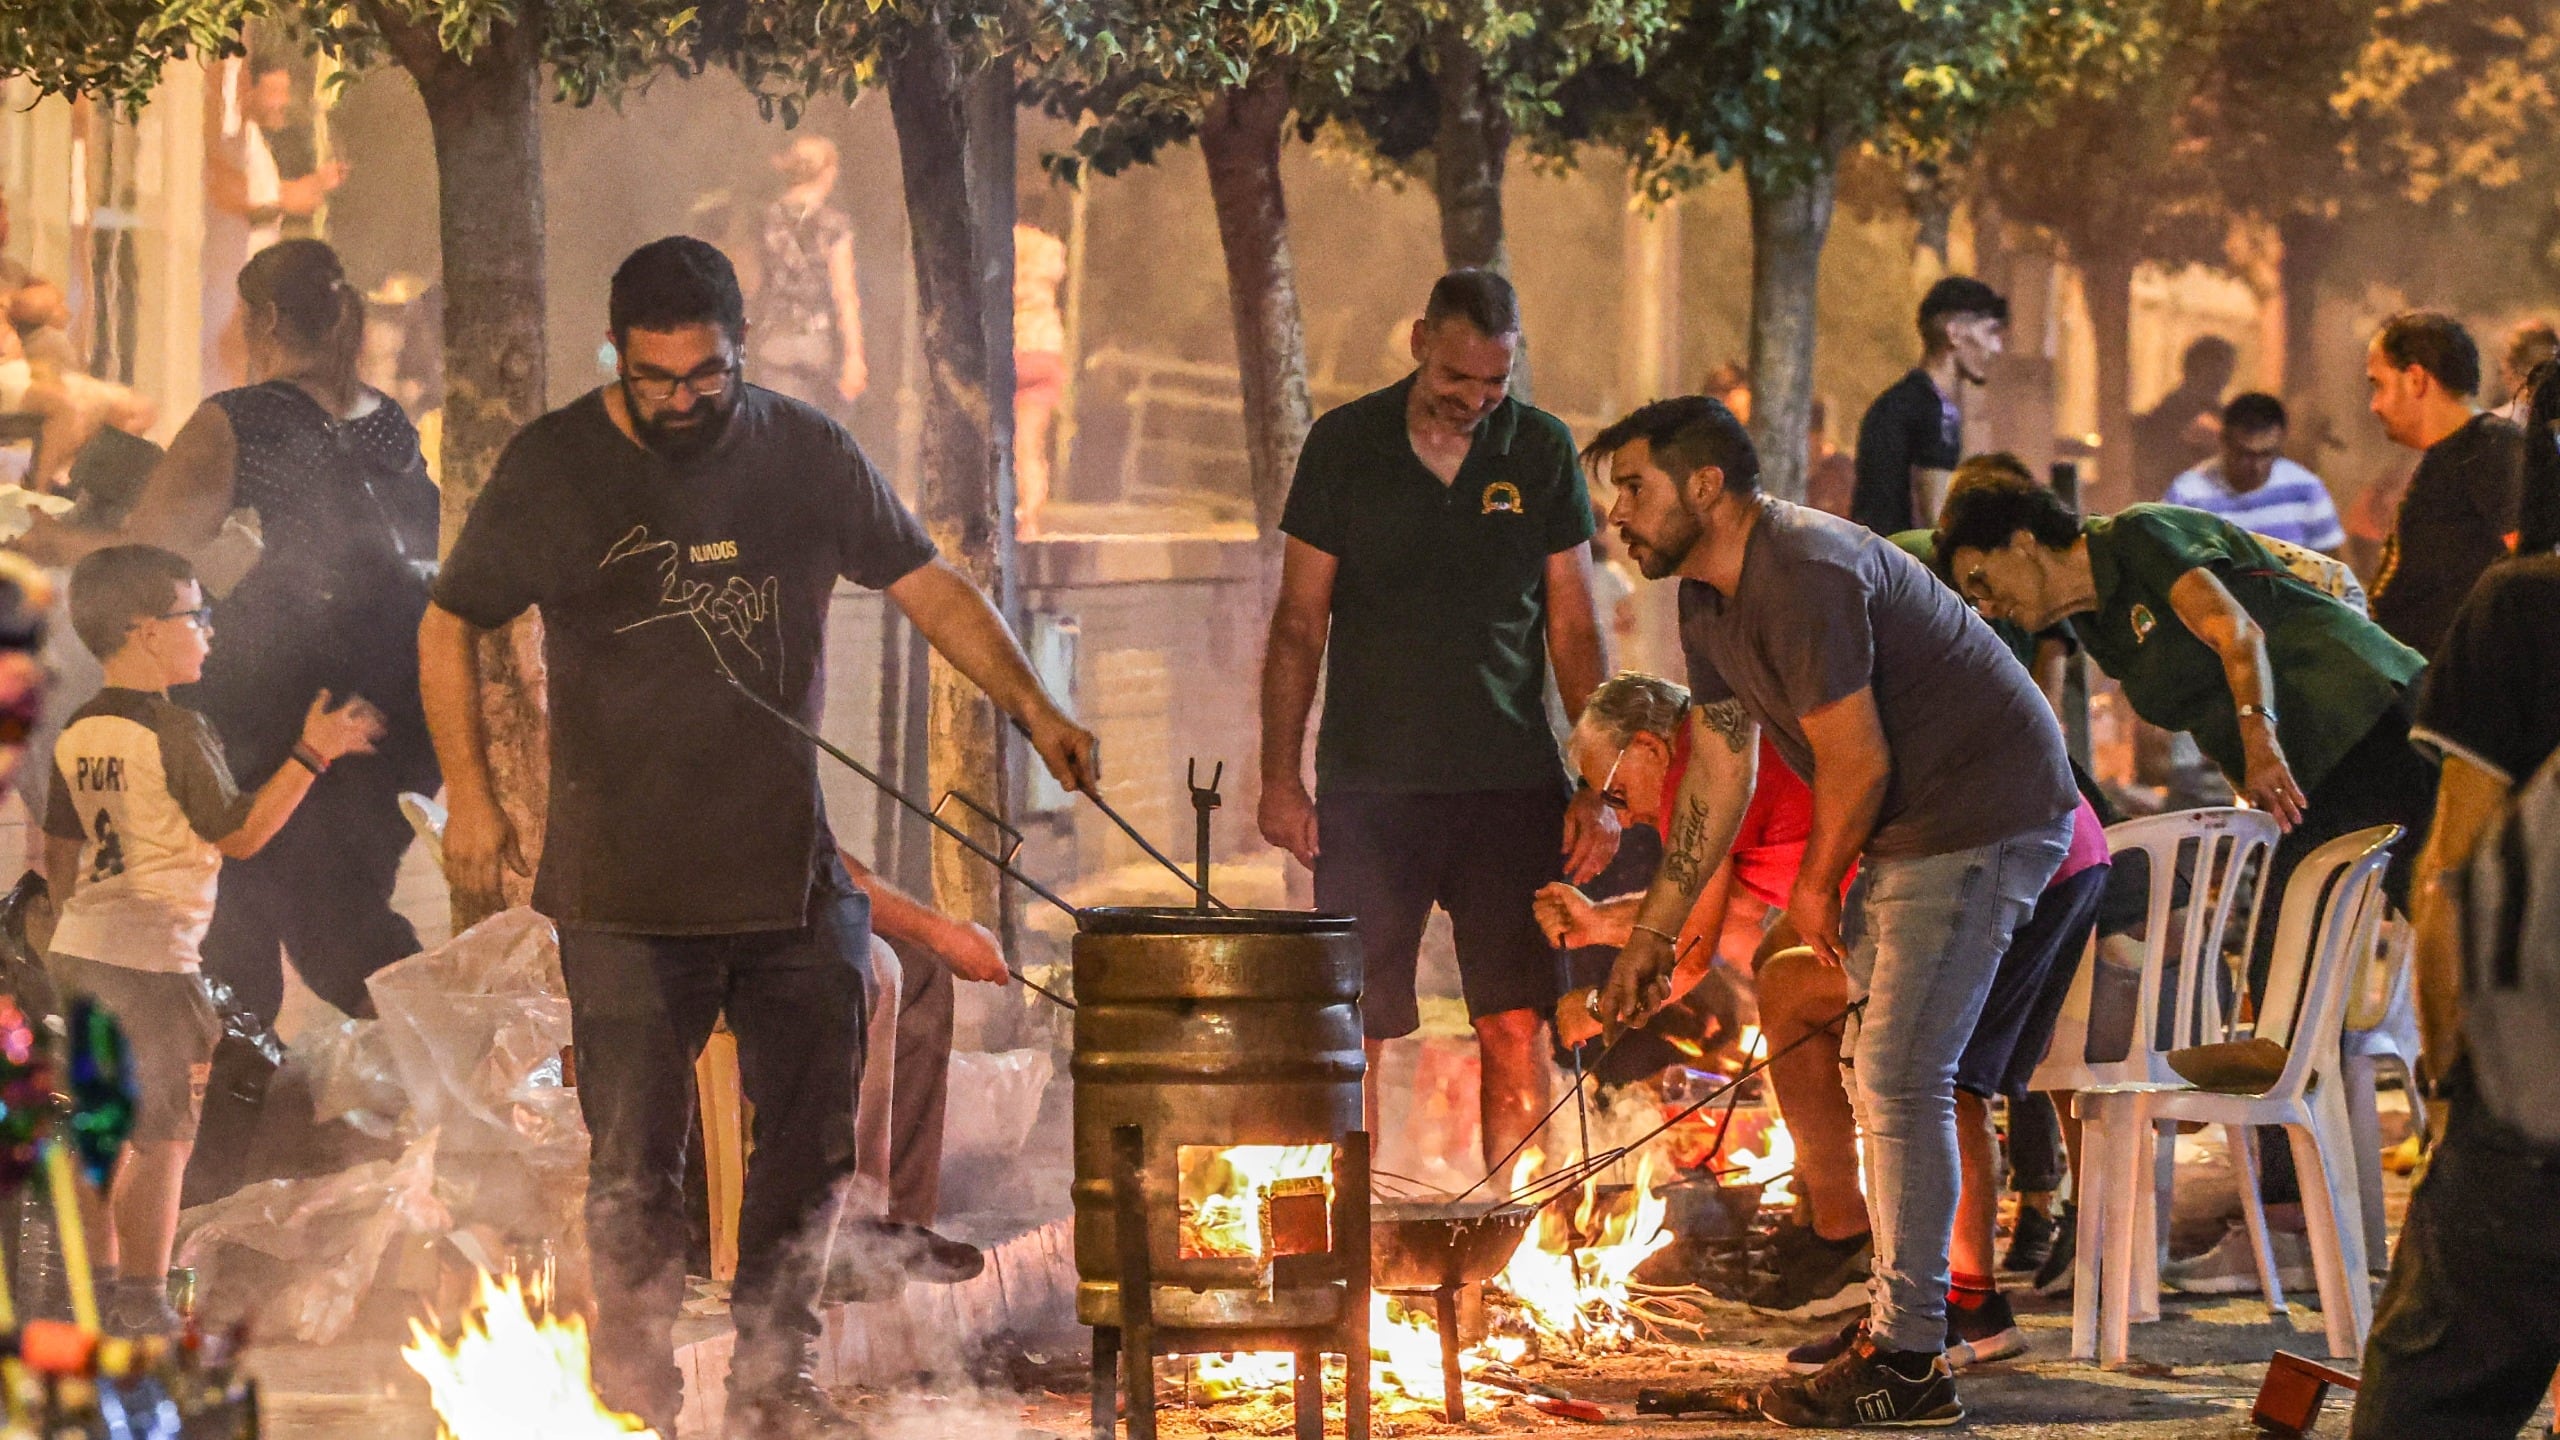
(2302,702)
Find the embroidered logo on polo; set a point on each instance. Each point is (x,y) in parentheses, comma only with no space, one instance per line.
(2144,622)
(1503,497)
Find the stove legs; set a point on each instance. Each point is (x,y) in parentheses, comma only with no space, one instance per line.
(1137,1282)
(1106,1381)
(1453,1380)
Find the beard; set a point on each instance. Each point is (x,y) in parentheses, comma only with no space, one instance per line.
(686,437)
(1659,555)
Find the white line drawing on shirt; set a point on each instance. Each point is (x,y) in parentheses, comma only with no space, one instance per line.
(740,614)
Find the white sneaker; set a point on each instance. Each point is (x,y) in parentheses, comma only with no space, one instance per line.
(2230,1269)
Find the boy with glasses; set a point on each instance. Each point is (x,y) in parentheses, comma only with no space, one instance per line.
(144,811)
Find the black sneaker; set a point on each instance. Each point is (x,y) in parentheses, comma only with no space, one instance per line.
(1866,1388)
(1814,1278)
(1987,1332)
(1734,1273)
(1978,1336)
(791,1407)
(933,1258)
(2030,1243)
(2053,1277)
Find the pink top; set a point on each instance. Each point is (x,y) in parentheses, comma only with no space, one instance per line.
(2088,844)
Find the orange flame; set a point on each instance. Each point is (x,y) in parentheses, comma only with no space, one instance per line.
(509,1375)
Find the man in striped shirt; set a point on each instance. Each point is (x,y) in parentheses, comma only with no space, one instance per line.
(2254,487)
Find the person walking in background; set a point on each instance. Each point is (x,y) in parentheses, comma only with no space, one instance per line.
(331,601)
(2178,433)
(247,199)
(1912,435)
(1039,367)
(2252,485)
(807,308)
(2453,523)
(1438,564)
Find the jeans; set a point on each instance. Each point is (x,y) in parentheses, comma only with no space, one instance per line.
(641,1007)
(1925,936)
(2467,1334)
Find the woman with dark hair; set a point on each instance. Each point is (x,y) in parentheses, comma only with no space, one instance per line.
(2538,498)
(346,527)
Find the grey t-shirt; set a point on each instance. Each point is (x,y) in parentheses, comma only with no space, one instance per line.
(1826,608)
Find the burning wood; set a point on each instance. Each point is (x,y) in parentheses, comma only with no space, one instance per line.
(514,1370)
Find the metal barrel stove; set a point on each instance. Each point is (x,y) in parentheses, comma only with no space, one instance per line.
(1215,1028)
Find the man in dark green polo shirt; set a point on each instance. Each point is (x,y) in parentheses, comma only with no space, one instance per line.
(1439,546)
(2302,702)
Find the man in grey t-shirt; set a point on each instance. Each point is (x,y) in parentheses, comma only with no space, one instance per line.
(1930,755)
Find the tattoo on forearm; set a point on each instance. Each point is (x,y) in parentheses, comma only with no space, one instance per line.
(1684,862)
(1730,721)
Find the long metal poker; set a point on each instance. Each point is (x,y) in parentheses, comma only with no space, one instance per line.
(966,841)
(1189,881)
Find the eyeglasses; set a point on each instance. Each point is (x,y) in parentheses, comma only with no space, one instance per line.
(200,617)
(705,384)
(1610,795)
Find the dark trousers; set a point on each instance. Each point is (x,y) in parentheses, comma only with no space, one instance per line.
(321,890)
(2467,1335)
(641,1007)
(2382,781)
(2037,1162)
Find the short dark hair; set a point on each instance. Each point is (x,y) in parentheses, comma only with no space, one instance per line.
(2538,504)
(2253,412)
(1953,296)
(2208,354)
(1687,434)
(1986,504)
(119,587)
(678,281)
(1482,298)
(2434,342)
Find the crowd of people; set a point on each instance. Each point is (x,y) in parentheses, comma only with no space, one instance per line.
(1854,806)
(1857,803)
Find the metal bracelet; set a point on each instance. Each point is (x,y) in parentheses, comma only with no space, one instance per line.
(1665,937)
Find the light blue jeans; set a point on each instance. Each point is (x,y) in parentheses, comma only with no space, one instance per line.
(1925,936)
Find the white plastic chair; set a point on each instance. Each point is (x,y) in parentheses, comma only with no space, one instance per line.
(2382,1024)
(2182,976)
(2332,912)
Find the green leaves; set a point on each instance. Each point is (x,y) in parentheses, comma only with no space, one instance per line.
(115,49)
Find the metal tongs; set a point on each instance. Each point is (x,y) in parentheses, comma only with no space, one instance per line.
(1003,858)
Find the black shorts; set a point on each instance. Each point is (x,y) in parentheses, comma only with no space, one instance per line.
(2028,990)
(1385,859)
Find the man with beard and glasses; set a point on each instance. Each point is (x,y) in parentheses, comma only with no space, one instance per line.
(1439,548)
(1936,768)
(1912,436)
(682,533)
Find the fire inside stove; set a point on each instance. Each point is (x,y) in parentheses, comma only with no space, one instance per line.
(1252,1202)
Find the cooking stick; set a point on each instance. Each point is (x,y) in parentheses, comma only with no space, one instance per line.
(965,841)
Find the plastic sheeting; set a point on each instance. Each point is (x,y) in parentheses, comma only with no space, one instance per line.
(463,1069)
(1002,1093)
(296,1257)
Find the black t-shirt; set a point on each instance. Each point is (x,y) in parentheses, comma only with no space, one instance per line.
(1911,426)
(2493,694)
(677,806)
(2453,524)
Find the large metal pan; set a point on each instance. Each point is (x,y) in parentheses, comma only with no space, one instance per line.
(1427,1244)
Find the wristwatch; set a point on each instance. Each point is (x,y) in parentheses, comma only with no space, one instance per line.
(2261,711)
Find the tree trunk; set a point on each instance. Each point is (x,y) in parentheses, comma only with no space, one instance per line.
(2106,278)
(1467,156)
(486,118)
(1468,153)
(2309,241)
(1790,220)
(1240,139)
(968,412)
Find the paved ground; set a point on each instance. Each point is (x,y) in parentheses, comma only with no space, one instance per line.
(2196,1373)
